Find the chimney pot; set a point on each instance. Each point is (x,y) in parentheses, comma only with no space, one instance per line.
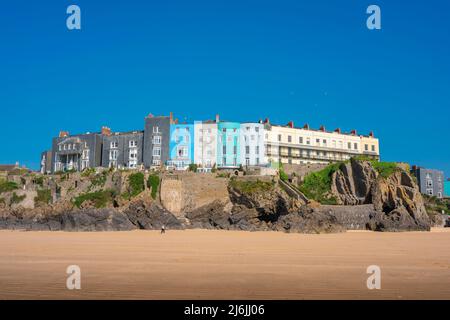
(217,118)
(63,134)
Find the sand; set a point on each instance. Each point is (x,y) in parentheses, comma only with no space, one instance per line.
(201,264)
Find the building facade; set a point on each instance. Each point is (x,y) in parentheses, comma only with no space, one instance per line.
(156,141)
(205,143)
(447,188)
(289,144)
(76,152)
(228,144)
(123,150)
(181,146)
(430,181)
(252,144)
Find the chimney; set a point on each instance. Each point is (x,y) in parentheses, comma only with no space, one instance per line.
(371,134)
(63,134)
(291,124)
(322,128)
(338,130)
(106,131)
(353,132)
(306,126)
(171,117)
(267,121)
(150,115)
(217,118)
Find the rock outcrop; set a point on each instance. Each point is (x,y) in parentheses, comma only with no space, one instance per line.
(397,201)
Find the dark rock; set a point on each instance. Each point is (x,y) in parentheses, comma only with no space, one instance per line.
(151,216)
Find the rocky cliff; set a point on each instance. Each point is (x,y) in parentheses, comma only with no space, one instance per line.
(395,196)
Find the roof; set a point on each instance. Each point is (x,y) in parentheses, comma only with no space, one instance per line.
(8,167)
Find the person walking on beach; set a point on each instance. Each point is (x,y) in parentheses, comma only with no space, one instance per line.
(163,229)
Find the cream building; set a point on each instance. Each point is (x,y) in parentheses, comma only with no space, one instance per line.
(288,144)
(252,144)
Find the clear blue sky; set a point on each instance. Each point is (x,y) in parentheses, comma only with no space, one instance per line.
(308,61)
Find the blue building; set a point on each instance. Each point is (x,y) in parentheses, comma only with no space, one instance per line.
(228,145)
(447,188)
(181,146)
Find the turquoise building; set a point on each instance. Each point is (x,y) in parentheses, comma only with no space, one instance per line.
(447,189)
(181,146)
(228,144)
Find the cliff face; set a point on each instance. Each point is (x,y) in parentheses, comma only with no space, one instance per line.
(397,201)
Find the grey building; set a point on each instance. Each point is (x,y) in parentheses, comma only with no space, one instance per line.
(156,140)
(46,162)
(430,181)
(77,152)
(123,149)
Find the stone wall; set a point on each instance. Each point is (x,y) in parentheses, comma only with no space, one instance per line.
(351,217)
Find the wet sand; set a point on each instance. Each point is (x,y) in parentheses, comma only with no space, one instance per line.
(201,264)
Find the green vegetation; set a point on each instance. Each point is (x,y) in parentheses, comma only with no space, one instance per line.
(88,172)
(193,167)
(223,175)
(17,199)
(6,186)
(44,196)
(249,187)
(100,199)
(136,183)
(153,183)
(283,175)
(317,185)
(39,180)
(385,169)
(434,205)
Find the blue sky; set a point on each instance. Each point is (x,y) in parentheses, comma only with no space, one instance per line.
(308,61)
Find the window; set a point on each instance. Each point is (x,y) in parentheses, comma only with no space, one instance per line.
(224,149)
(355,146)
(257,129)
(373,148)
(324,141)
(85,154)
(155,129)
(224,161)
(247,128)
(114,144)
(156,151)
(113,154)
(156,139)
(133,154)
(289,138)
(182,151)
(300,140)
(349,145)
(430,183)
(308,141)
(279,137)
(318,141)
(60,147)
(257,150)
(234,149)
(224,130)
(156,162)
(247,161)
(133,143)
(252,137)
(69,147)
(366,147)
(64,147)
(247,149)
(257,161)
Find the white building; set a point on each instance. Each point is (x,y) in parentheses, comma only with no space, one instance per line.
(205,143)
(252,144)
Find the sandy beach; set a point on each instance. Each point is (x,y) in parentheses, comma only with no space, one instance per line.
(202,264)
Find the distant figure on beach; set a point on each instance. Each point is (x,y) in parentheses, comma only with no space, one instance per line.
(163,229)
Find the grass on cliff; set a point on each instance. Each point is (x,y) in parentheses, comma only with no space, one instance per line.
(44,196)
(100,199)
(136,185)
(435,205)
(317,185)
(153,183)
(385,169)
(17,199)
(249,187)
(6,186)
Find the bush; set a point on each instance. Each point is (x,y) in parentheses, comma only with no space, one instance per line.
(283,175)
(385,169)
(136,183)
(88,172)
(99,198)
(249,187)
(39,181)
(317,185)
(17,199)
(6,186)
(44,196)
(193,167)
(153,183)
